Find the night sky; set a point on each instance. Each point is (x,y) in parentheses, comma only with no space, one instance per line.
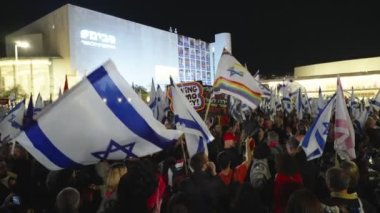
(273,38)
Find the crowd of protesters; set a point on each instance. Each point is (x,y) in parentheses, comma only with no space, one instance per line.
(251,166)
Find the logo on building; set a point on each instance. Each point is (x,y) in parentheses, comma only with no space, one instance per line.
(97,39)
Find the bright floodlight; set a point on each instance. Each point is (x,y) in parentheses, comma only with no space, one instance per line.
(23,44)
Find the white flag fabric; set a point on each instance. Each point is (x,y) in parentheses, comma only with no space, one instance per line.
(188,120)
(321,102)
(39,104)
(10,125)
(234,79)
(354,105)
(158,103)
(315,139)
(99,118)
(162,104)
(376,101)
(153,105)
(257,75)
(299,105)
(286,102)
(344,131)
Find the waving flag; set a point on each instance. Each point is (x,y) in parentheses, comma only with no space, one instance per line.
(30,110)
(344,131)
(321,102)
(99,118)
(299,105)
(286,102)
(354,105)
(162,104)
(315,139)
(257,75)
(39,104)
(153,105)
(11,124)
(235,80)
(158,102)
(188,120)
(376,101)
(306,103)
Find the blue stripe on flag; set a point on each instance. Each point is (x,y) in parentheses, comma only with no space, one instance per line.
(315,153)
(320,140)
(376,103)
(306,140)
(153,104)
(190,124)
(126,113)
(41,142)
(201,147)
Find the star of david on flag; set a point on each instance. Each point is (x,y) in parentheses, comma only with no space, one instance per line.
(10,125)
(315,139)
(114,147)
(188,120)
(99,118)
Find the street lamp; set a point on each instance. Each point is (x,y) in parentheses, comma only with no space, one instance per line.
(22,44)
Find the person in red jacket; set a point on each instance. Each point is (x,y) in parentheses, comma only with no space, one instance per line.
(287,180)
(238,174)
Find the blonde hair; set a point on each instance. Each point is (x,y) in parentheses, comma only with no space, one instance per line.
(114,175)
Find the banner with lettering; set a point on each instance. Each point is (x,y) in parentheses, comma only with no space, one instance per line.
(193,91)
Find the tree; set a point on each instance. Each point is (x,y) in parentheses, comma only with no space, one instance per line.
(141,91)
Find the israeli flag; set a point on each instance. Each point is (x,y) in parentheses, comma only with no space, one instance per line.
(286,102)
(39,104)
(162,104)
(299,105)
(153,105)
(321,102)
(99,118)
(10,125)
(376,101)
(315,139)
(265,92)
(197,134)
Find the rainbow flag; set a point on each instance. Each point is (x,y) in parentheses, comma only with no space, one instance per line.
(235,80)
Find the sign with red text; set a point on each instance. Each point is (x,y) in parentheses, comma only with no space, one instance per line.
(193,91)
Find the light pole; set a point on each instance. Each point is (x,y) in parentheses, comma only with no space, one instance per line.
(22,44)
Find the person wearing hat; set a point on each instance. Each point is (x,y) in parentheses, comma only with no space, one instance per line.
(230,147)
(229,174)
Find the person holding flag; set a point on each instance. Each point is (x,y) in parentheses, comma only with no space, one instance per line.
(197,134)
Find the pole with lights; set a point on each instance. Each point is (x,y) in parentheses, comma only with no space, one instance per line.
(22,44)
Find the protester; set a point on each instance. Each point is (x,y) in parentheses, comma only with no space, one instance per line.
(68,200)
(338,182)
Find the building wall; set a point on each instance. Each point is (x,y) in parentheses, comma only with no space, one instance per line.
(365,85)
(339,67)
(76,40)
(54,30)
(140,52)
(48,39)
(222,40)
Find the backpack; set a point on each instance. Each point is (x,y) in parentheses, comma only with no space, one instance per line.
(260,173)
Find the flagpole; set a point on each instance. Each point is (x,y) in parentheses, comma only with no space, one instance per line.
(184,153)
(209,104)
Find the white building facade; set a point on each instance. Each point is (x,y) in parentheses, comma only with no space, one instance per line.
(73,41)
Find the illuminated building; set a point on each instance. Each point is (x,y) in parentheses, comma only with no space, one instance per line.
(361,74)
(73,41)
